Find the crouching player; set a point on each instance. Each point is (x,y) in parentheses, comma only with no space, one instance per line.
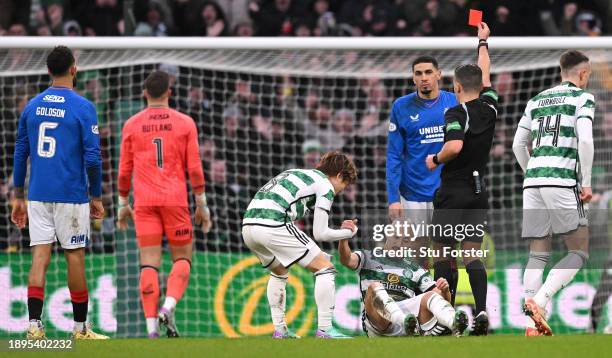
(400,298)
(268,231)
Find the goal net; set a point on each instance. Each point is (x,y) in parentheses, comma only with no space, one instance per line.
(260,110)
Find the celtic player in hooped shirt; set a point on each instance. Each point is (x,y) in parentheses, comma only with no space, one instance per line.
(557,187)
(268,230)
(399,297)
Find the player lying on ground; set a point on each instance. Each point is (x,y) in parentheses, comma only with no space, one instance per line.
(559,123)
(58,133)
(268,230)
(399,296)
(158,146)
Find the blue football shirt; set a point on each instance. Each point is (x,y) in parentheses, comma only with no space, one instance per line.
(58,132)
(416,129)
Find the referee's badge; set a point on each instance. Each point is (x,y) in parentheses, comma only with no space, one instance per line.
(392,127)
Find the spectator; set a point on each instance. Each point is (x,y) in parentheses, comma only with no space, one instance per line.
(43,30)
(207,153)
(244,98)
(212,22)
(14,12)
(154,24)
(273,18)
(588,24)
(311,154)
(318,124)
(567,18)
(185,13)
(303,28)
(244,29)
(231,142)
(72,28)
(512,18)
(55,13)
(18,30)
(378,19)
(163,7)
(374,108)
(430,17)
(199,106)
(343,126)
(236,11)
(177,99)
(102,18)
(226,201)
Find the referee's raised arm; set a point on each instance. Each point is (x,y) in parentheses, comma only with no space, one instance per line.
(484,62)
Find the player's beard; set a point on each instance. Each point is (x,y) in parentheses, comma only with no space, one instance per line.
(426,91)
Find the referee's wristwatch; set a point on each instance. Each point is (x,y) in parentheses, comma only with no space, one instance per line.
(435,159)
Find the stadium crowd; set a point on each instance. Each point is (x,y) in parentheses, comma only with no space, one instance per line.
(302,17)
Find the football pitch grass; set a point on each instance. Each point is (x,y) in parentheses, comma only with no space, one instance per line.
(475,347)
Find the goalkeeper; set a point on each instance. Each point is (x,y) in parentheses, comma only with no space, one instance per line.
(159,145)
(268,230)
(400,298)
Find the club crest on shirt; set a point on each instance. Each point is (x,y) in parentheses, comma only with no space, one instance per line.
(392,127)
(414,118)
(94,130)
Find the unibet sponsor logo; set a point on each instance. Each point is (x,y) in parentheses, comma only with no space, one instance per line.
(432,134)
(241,293)
(54,99)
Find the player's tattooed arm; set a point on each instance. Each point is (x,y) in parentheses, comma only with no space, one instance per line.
(347,257)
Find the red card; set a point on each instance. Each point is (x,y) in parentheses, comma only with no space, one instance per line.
(475,18)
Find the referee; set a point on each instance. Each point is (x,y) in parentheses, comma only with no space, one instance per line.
(462,199)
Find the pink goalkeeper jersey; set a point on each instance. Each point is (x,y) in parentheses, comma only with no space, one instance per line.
(158,146)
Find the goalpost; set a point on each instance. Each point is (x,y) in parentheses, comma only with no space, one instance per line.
(263,105)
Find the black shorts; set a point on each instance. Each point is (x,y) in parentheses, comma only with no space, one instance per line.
(459,213)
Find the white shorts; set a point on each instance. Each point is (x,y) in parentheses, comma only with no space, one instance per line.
(408,306)
(64,222)
(284,245)
(418,211)
(551,210)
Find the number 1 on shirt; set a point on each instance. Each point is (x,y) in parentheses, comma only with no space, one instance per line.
(160,158)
